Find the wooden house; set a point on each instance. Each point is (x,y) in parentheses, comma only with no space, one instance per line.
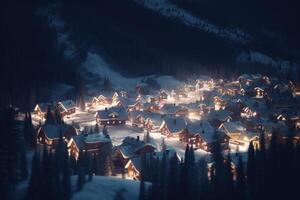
(130,148)
(49,134)
(152,107)
(174,110)
(202,135)
(174,127)
(134,165)
(216,118)
(116,115)
(163,94)
(41,109)
(92,143)
(65,108)
(233,129)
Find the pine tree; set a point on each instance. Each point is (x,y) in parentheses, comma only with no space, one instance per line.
(203,182)
(33,190)
(80,178)
(163,145)
(142,192)
(147,138)
(240,180)
(66,181)
(172,186)
(251,174)
(97,128)
(58,117)
(29,131)
(49,116)
(105,131)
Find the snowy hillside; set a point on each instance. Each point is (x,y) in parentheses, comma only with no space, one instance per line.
(257,57)
(105,188)
(166,8)
(95,64)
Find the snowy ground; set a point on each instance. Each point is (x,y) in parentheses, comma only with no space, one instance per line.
(105,188)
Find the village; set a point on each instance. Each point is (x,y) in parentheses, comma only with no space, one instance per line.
(198,113)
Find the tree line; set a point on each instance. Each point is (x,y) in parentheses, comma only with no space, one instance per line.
(271,172)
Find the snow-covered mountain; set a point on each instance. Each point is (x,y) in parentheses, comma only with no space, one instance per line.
(167,9)
(192,44)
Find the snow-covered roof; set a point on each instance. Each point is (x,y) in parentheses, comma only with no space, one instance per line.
(67,104)
(43,106)
(171,108)
(130,146)
(174,124)
(221,115)
(118,111)
(202,128)
(52,131)
(233,127)
(82,140)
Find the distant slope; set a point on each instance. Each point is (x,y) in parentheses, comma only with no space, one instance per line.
(168,9)
(105,188)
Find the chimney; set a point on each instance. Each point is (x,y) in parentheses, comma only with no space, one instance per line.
(138,138)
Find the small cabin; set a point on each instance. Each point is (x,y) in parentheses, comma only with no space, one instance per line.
(202,135)
(235,130)
(130,148)
(41,109)
(92,143)
(112,116)
(174,127)
(48,134)
(65,108)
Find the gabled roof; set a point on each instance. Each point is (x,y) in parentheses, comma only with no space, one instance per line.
(106,113)
(171,108)
(174,124)
(81,140)
(67,104)
(233,127)
(203,129)
(130,146)
(43,106)
(52,131)
(221,115)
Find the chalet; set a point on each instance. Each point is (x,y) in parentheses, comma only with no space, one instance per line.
(130,148)
(233,129)
(216,118)
(65,108)
(41,109)
(163,94)
(202,135)
(127,103)
(49,134)
(152,107)
(231,89)
(219,102)
(137,117)
(260,92)
(92,143)
(134,165)
(174,127)
(116,115)
(245,79)
(102,100)
(93,102)
(115,98)
(173,109)
(153,121)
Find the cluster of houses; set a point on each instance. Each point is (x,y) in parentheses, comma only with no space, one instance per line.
(199,113)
